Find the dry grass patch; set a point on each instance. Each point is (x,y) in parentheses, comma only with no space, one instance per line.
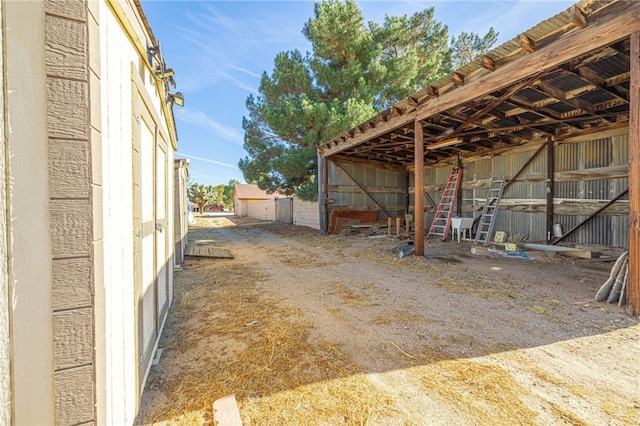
(349,297)
(299,259)
(480,287)
(257,348)
(387,316)
(487,392)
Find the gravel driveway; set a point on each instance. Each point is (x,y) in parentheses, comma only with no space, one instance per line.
(312,330)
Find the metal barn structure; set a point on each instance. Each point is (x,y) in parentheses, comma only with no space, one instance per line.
(555,111)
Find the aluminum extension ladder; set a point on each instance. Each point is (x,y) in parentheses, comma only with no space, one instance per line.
(489,211)
(442,219)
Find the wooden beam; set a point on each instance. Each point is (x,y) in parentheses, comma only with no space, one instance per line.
(419,188)
(458,78)
(527,43)
(606,26)
(550,187)
(578,208)
(591,216)
(492,105)
(577,17)
(524,166)
(634,176)
(370,189)
(392,123)
(364,191)
(561,96)
(596,173)
(488,63)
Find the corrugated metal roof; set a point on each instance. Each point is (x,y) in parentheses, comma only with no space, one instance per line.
(560,102)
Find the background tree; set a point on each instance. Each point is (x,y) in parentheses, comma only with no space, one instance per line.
(228,193)
(414,53)
(467,46)
(202,195)
(354,71)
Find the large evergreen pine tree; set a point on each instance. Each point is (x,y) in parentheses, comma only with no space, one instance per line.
(354,71)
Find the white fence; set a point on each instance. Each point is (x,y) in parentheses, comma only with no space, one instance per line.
(305,213)
(262,210)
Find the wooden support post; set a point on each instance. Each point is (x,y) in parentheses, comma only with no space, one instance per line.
(407,225)
(459,194)
(550,187)
(389,226)
(398,226)
(325,196)
(321,198)
(633,290)
(418,184)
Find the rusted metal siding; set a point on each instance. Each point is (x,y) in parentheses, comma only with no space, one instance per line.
(605,229)
(367,177)
(610,230)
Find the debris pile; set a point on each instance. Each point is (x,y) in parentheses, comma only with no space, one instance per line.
(615,288)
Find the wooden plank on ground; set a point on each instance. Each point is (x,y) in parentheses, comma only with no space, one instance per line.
(203,250)
(582,254)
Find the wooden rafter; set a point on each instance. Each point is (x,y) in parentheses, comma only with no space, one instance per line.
(595,96)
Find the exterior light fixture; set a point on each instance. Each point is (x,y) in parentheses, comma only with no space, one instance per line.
(445,143)
(176,98)
(152,53)
(164,74)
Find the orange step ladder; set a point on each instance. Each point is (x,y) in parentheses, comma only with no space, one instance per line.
(442,219)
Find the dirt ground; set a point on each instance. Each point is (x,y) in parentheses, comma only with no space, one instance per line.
(339,330)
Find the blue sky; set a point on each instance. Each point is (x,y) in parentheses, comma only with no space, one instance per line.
(219,50)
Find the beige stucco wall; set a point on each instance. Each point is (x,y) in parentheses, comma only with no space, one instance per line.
(67,305)
(5,348)
(29,247)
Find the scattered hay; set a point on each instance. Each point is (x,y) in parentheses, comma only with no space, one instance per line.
(300,259)
(381,257)
(487,392)
(351,400)
(480,287)
(257,348)
(566,415)
(349,297)
(387,316)
(544,311)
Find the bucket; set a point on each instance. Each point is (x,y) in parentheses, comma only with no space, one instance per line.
(511,248)
(557,230)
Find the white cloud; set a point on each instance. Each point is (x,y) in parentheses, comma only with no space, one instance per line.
(206,160)
(244,71)
(201,119)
